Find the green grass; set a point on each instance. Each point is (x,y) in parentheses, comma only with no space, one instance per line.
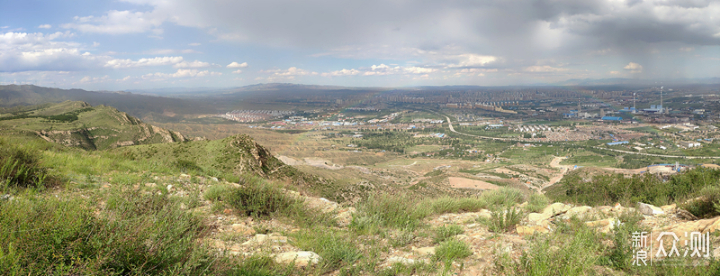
(261,198)
(536,203)
(502,220)
(337,249)
(136,234)
(20,167)
(451,250)
(646,188)
(446,232)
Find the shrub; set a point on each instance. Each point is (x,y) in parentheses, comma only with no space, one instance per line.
(401,238)
(443,233)
(397,211)
(136,235)
(577,254)
(20,167)
(257,197)
(448,204)
(536,203)
(260,198)
(337,250)
(503,220)
(647,188)
(501,198)
(451,250)
(707,203)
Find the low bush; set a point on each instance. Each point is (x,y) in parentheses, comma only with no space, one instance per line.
(576,254)
(137,235)
(536,203)
(337,250)
(20,167)
(444,233)
(503,220)
(451,250)
(646,188)
(706,205)
(396,211)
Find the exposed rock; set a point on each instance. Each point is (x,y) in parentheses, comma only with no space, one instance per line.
(243,229)
(402,260)
(345,217)
(581,212)
(555,209)
(300,258)
(649,210)
(604,225)
(530,230)
(261,239)
(669,208)
(423,251)
(535,218)
(684,214)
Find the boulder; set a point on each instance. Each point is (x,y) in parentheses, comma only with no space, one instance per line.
(604,225)
(555,209)
(531,230)
(535,218)
(300,258)
(649,210)
(579,212)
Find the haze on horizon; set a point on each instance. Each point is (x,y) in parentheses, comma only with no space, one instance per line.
(139,44)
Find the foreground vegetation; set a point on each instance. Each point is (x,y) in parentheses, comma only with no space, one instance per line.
(147,210)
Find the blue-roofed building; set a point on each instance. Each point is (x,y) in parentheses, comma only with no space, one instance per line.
(618,143)
(611,118)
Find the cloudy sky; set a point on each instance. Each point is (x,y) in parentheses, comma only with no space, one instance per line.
(136,44)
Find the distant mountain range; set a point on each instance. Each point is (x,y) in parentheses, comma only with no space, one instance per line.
(134,104)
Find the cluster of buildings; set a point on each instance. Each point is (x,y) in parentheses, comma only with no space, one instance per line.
(249,116)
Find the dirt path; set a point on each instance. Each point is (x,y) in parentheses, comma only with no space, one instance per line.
(564,169)
(466,183)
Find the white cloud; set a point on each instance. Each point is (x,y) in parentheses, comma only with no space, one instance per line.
(343,72)
(193,64)
(237,71)
(237,65)
(634,68)
(45,26)
(687,49)
(544,69)
(194,44)
(289,74)
(118,22)
(182,73)
(471,60)
(43,52)
(157,61)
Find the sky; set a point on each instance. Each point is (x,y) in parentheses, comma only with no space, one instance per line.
(145,44)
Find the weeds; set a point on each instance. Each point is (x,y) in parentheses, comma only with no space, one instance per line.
(451,250)
(503,220)
(444,233)
(536,203)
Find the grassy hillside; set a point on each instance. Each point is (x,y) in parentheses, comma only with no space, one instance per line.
(78,124)
(136,105)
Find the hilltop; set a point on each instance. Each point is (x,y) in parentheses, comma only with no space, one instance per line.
(78,124)
(134,104)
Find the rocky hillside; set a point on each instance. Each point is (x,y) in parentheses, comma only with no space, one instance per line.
(78,124)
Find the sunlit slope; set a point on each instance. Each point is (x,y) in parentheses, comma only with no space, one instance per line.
(78,124)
